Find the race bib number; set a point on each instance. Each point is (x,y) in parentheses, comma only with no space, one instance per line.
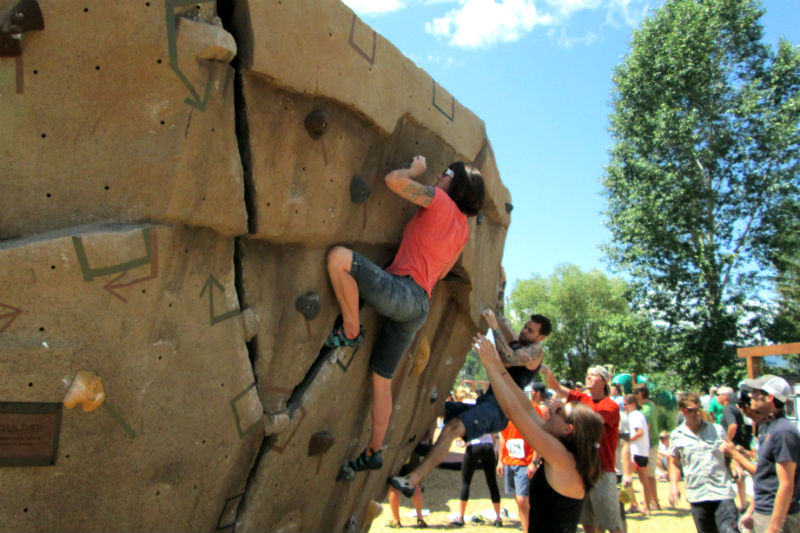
(516,448)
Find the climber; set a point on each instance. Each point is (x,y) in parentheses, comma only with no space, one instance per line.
(432,242)
(522,357)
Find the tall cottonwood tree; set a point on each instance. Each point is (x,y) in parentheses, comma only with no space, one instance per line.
(705,129)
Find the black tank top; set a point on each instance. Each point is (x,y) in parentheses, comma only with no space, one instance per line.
(550,511)
(521,375)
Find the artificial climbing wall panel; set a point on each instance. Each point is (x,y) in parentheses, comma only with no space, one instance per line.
(175,173)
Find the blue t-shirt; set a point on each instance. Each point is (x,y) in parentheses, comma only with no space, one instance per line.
(778,441)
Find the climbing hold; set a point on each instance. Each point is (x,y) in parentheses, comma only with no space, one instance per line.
(316,123)
(308,305)
(360,190)
(421,356)
(320,443)
(346,474)
(373,510)
(276,422)
(87,390)
(24,16)
(479,219)
(434,395)
(509,207)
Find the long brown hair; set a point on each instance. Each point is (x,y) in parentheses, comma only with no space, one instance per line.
(584,441)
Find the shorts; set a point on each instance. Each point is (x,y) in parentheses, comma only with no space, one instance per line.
(403,304)
(790,525)
(601,505)
(651,464)
(485,416)
(517,482)
(641,462)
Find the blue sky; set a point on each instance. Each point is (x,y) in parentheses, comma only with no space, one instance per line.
(538,73)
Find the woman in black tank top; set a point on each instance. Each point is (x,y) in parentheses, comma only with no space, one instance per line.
(567,443)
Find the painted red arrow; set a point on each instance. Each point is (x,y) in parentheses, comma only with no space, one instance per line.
(111,285)
(15,312)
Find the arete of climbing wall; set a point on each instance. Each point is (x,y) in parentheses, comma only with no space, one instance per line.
(174,174)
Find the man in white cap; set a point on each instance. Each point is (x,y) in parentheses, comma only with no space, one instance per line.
(776,478)
(601,505)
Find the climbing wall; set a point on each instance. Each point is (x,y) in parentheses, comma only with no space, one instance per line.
(174,174)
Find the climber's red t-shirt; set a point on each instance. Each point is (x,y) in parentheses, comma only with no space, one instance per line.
(609,410)
(432,241)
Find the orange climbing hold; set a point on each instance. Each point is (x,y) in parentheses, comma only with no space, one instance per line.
(421,356)
(86,389)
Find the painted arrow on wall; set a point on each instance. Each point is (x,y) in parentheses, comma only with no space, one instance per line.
(10,315)
(172,43)
(212,282)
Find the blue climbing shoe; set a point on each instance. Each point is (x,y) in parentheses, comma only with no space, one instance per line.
(337,338)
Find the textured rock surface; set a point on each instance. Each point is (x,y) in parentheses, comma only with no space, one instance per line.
(162,212)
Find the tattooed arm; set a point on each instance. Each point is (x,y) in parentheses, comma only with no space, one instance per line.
(529,355)
(401,182)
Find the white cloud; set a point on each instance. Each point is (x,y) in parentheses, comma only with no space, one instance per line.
(479,23)
(372,7)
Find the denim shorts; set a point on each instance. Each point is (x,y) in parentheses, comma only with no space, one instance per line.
(517,482)
(485,416)
(403,304)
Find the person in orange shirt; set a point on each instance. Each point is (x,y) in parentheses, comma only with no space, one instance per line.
(518,461)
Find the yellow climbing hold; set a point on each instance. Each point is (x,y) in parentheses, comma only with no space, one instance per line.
(87,390)
(422,356)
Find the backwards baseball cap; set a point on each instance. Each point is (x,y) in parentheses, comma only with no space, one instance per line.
(602,371)
(770,384)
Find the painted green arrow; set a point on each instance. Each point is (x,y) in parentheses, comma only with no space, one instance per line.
(172,43)
(210,283)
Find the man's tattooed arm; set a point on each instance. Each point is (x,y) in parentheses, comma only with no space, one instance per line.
(522,356)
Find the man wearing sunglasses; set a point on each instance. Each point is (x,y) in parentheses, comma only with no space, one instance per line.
(695,445)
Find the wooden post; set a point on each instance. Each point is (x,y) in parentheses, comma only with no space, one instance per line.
(755,353)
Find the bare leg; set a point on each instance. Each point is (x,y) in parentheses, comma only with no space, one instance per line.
(654,491)
(524,508)
(381,411)
(462,508)
(642,472)
(394,503)
(340,259)
(416,499)
(451,431)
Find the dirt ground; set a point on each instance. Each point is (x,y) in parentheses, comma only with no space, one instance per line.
(441,499)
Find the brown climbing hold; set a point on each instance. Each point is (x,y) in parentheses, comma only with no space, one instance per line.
(316,123)
(87,390)
(320,443)
(421,356)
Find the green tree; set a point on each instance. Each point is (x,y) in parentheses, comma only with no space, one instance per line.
(592,322)
(705,124)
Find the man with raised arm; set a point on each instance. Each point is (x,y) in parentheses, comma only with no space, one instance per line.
(522,356)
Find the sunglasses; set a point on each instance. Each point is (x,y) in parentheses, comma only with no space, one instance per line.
(448,172)
(691,409)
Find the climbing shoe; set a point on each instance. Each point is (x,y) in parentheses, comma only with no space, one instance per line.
(337,338)
(402,484)
(367,462)
(421,523)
